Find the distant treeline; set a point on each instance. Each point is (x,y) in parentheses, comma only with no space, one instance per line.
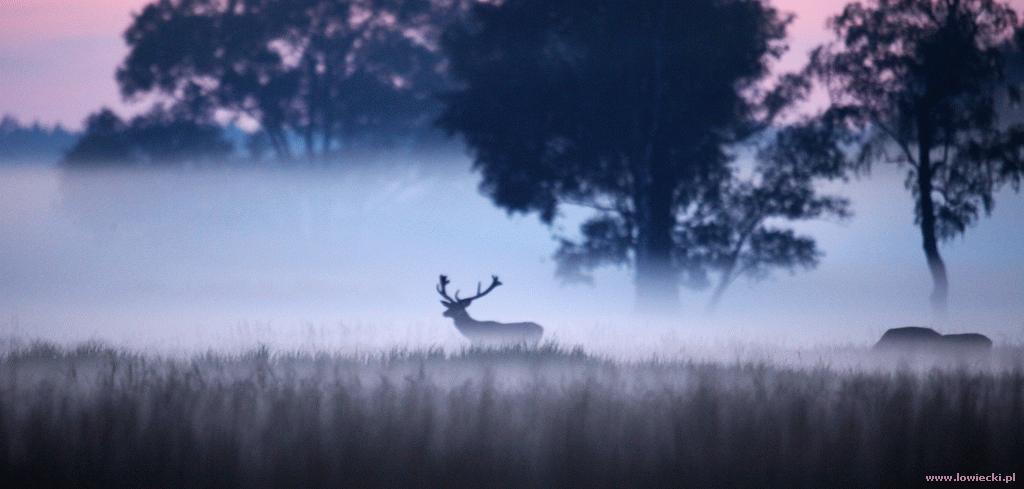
(23,142)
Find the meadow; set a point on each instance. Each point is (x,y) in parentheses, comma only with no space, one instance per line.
(97,416)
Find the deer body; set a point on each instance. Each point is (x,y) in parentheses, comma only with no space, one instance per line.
(486,333)
(914,338)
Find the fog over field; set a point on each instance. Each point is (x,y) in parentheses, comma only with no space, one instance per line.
(347,258)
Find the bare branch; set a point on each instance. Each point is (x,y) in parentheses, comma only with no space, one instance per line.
(903,146)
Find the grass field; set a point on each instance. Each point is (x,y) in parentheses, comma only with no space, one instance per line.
(92,416)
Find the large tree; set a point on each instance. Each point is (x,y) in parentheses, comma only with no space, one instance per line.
(918,82)
(738,228)
(626,108)
(321,72)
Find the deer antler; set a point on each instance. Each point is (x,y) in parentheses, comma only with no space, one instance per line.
(494,283)
(442,283)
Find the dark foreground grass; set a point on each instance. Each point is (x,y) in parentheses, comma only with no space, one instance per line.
(97,417)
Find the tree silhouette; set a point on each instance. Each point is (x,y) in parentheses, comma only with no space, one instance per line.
(745,236)
(739,229)
(626,108)
(158,137)
(321,71)
(916,81)
(104,141)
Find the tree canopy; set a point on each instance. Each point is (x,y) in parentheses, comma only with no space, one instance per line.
(628,109)
(323,72)
(921,83)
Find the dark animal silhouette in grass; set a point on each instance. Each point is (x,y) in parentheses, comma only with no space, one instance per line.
(913,338)
(486,333)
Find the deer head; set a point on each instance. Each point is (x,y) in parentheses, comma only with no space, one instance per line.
(456,308)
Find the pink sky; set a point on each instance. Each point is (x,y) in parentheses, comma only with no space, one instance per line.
(57,57)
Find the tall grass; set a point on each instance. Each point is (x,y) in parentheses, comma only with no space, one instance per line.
(97,417)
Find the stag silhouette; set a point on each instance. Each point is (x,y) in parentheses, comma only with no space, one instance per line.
(485,333)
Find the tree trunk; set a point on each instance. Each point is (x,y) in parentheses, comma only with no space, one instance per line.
(328,127)
(280,141)
(929,241)
(657,280)
(657,285)
(723,283)
(729,273)
(276,142)
(309,131)
(307,137)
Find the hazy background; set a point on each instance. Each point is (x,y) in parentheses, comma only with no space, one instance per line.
(348,256)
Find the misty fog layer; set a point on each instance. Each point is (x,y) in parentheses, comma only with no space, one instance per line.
(348,258)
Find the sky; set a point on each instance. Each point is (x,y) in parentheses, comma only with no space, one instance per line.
(57,57)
